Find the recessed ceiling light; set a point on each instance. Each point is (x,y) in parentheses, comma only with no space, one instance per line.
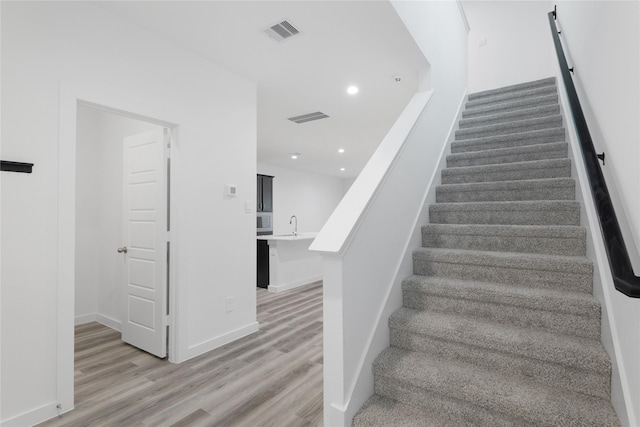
(342,169)
(352,90)
(294,156)
(341,150)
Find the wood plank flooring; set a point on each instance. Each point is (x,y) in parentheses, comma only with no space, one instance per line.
(270,378)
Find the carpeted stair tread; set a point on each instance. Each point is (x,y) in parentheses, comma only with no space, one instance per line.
(516,269)
(539,212)
(511,105)
(534,189)
(518,126)
(577,353)
(512,115)
(381,411)
(518,139)
(537,169)
(509,96)
(413,377)
(549,81)
(544,151)
(570,313)
(551,240)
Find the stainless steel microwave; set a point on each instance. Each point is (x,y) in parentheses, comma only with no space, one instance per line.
(264,223)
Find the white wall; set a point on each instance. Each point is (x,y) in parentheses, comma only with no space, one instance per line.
(602,42)
(366,243)
(310,197)
(99,213)
(516,40)
(52,54)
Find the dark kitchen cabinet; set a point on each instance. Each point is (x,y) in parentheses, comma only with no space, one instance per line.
(265,193)
(263,264)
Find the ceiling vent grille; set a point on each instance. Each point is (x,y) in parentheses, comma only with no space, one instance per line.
(308,117)
(282,31)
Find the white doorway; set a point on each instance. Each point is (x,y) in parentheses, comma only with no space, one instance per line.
(125,289)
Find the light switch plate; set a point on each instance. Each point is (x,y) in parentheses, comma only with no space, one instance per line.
(247,207)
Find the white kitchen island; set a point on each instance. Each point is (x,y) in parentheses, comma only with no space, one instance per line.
(291,263)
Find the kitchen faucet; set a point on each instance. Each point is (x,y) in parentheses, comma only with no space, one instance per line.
(295,228)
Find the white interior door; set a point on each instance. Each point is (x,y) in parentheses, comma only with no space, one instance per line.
(145,242)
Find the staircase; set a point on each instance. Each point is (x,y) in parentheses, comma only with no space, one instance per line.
(499,326)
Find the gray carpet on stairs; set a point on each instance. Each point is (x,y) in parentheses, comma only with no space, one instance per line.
(499,326)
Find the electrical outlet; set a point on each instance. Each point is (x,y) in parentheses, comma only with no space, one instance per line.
(230,304)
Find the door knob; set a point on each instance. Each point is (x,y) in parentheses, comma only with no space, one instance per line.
(122,249)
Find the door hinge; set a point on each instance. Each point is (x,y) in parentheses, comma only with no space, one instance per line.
(167,141)
(166,320)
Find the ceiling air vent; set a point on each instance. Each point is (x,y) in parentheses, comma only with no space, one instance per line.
(308,117)
(281,31)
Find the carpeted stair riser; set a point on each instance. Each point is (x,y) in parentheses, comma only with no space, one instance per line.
(459,413)
(557,240)
(509,116)
(380,411)
(509,155)
(512,96)
(506,213)
(530,270)
(509,128)
(542,189)
(417,378)
(577,364)
(577,325)
(549,374)
(511,105)
(540,169)
(521,139)
(516,88)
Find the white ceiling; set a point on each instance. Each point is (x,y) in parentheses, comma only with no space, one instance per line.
(341,43)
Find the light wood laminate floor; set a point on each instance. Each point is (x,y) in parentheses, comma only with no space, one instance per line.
(270,378)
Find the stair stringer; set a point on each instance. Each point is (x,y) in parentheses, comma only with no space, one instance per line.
(362,387)
(614,305)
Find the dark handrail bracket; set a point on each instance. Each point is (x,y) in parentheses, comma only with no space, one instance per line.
(623,276)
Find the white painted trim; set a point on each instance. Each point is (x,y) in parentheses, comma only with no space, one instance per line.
(463,15)
(97,97)
(66,248)
(34,416)
(294,284)
(100,318)
(109,322)
(85,318)
(221,340)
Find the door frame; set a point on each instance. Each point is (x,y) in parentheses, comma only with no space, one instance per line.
(99,98)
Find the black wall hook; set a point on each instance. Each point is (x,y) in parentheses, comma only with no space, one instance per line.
(7,166)
(601,157)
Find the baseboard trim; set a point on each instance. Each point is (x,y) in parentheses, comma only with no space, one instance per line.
(109,321)
(34,416)
(85,318)
(221,340)
(293,285)
(100,318)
